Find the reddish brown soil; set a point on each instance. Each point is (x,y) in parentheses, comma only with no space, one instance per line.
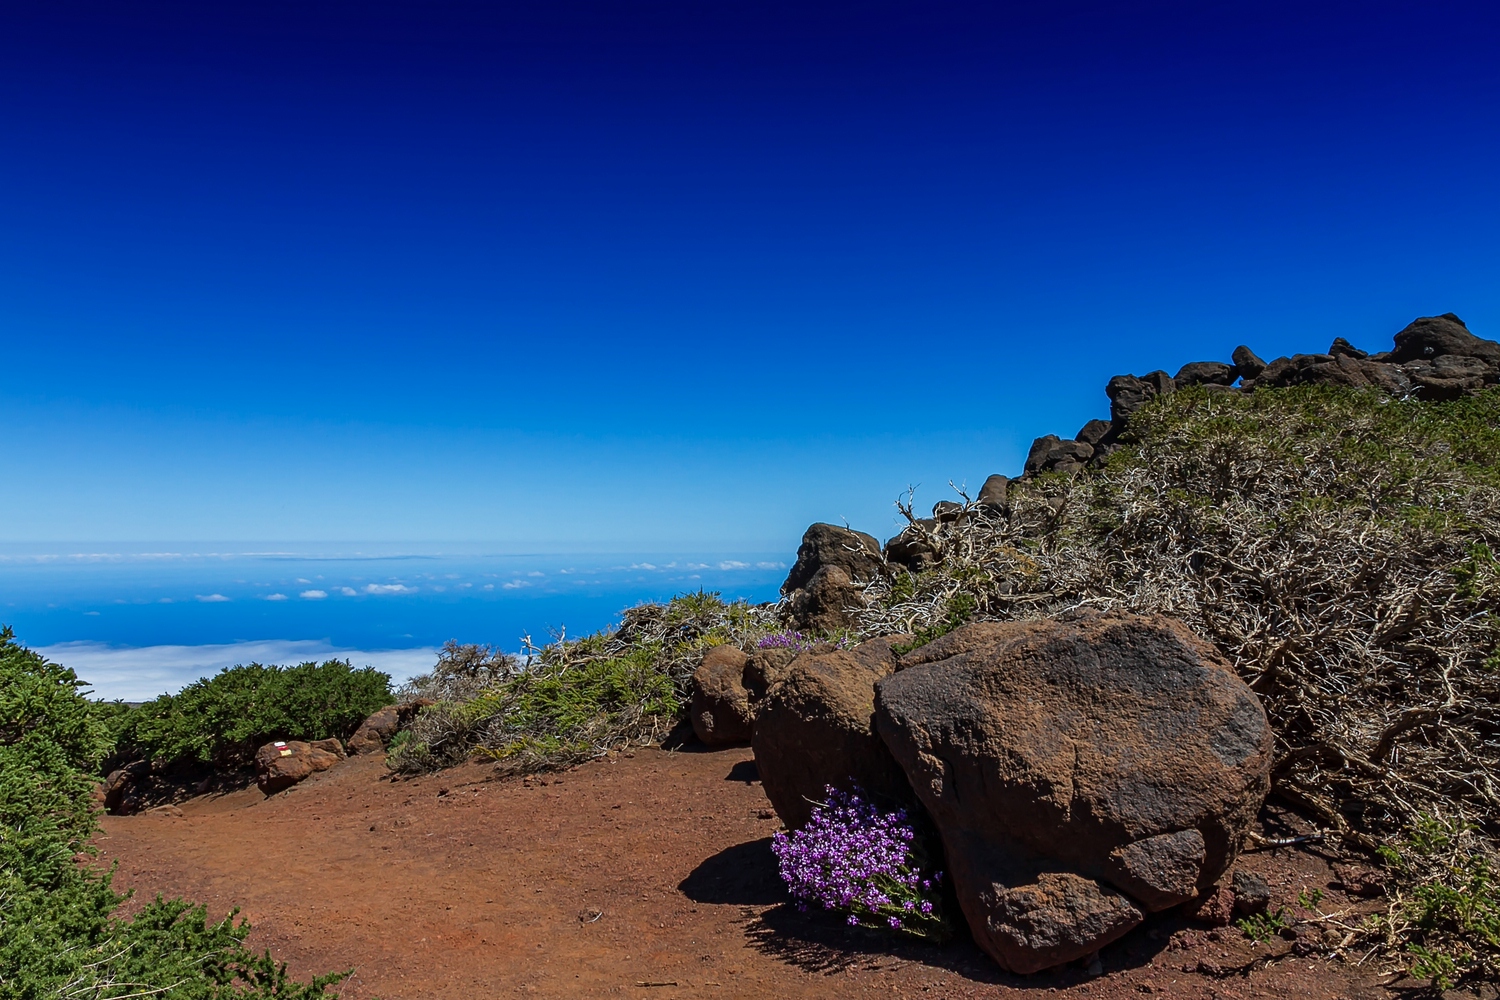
(645,875)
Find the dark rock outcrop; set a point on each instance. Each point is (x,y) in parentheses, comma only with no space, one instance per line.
(123,790)
(993,493)
(947,511)
(1206,373)
(911,549)
(1051,454)
(828,603)
(1093,432)
(377,731)
(815,727)
(854,552)
(1109,749)
(721,712)
(1247,362)
(1448,376)
(826,583)
(280,765)
(1436,336)
(1126,395)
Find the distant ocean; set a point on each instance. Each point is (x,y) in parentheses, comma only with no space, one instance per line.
(136,621)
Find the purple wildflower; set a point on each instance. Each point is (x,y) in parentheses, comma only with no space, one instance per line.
(852,857)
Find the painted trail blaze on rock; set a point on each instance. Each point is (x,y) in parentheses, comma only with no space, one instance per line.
(1082,773)
(281,765)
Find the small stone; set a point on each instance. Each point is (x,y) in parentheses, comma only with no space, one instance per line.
(1251,893)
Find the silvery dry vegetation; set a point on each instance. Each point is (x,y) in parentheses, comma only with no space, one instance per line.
(1339,547)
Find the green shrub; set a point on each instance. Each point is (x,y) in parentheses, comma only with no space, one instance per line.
(222,720)
(58,933)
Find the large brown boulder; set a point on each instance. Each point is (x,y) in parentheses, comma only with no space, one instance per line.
(721,710)
(1117,750)
(767,665)
(815,728)
(376,732)
(282,764)
(123,790)
(828,604)
(854,552)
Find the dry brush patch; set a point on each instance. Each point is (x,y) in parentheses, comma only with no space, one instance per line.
(1339,547)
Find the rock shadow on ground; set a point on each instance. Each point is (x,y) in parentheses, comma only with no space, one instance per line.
(742,875)
(823,943)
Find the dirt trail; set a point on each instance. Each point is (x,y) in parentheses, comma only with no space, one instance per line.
(643,875)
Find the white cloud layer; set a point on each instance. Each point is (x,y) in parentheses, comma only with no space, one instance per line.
(138,673)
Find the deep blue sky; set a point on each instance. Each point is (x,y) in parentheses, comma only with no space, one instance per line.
(664,275)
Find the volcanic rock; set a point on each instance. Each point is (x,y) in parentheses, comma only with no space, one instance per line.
(281,765)
(911,549)
(1343,349)
(1448,376)
(994,491)
(1051,454)
(1126,395)
(121,792)
(815,728)
(1205,373)
(1247,363)
(855,552)
(377,731)
(1251,894)
(765,667)
(1093,432)
(721,710)
(947,511)
(1434,336)
(1113,748)
(1039,921)
(828,603)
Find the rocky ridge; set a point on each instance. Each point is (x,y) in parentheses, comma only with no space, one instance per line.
(1432,358)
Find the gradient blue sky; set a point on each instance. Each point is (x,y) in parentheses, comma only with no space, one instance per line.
(563,275)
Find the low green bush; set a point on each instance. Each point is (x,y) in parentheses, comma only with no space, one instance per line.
(59,936)
(221,720)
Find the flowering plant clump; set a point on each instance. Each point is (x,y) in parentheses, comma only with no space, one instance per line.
(784,640)
(854,858)
(790,639)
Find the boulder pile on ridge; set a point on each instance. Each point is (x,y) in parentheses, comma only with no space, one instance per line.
(1433,358)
